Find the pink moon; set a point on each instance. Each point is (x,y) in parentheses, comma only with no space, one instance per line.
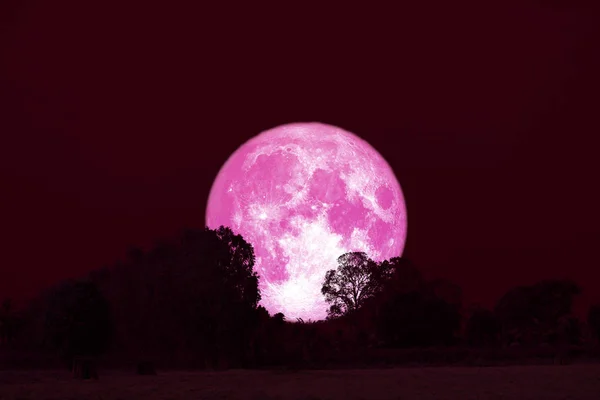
(303,194)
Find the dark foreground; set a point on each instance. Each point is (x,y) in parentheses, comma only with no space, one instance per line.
(518,382)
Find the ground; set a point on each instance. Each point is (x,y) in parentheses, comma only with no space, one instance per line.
(522,382)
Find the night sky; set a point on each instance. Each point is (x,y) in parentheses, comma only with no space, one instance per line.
(115,119)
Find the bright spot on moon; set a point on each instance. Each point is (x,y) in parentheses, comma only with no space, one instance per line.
(304,194)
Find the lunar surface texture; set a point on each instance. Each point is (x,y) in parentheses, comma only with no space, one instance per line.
(304,194)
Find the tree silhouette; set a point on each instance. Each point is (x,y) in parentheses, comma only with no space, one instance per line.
(409,311)
(78,320)
(236,260)
(533,313)
(356,279)
(279,318)
(193,302)
(593,320)
(570,330)
(417,319)
(445,290)
(401,276)
(201,286)
(483,328)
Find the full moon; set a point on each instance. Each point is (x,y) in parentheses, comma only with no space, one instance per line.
(303,194)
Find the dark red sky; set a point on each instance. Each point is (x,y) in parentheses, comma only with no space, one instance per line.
(116,117)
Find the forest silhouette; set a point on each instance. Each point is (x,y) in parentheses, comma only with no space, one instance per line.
(193,302)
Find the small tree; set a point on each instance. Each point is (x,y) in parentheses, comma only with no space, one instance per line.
(356,279)
(279,318)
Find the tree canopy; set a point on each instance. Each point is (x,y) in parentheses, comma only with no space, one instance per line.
(356,279)
(535,313)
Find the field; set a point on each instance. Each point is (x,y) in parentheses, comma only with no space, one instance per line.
(518,382)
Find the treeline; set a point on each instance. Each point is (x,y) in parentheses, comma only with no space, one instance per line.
(192,302)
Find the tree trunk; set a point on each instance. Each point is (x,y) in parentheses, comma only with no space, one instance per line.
(84,368)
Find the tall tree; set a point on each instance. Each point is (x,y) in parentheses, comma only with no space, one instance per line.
(214,292)
(201,286)
(356,279)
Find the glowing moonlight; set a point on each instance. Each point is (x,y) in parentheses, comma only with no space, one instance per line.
(304,194)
